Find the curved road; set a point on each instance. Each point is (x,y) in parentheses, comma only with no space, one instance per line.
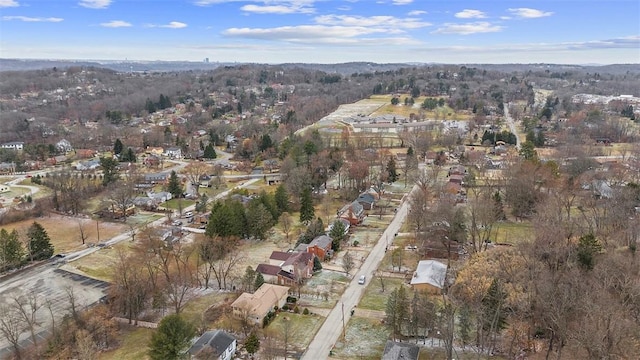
(332,327)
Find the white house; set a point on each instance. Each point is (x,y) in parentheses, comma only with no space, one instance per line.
(173,153)
(14,145)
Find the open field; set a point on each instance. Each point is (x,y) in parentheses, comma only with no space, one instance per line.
(508,232)
(99,265)
(64,231)
(439,113)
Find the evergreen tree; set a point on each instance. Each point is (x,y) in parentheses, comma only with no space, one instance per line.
(281,198)
(174,186)
(11,251)
(40,247)
(172,338)
(588,247)
(117,147)
(259,219)
(528,151)
(109,170)
(249,279)
(498,207)
(391,169)
(307,212)
(265,142)
(337,234)
(252,344)
(210,152)
(493,308)
(259,281)
(317,265)
(150,106)
(201,205)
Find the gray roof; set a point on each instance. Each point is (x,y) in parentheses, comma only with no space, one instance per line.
(218,340)
(322,241)
(366,198)
(430,272)
(400,351)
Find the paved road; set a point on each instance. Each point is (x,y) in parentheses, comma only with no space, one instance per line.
(332,328)
(512,125)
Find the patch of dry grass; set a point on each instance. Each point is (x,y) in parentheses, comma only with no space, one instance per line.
(135,345)
(64,231)
(365,339)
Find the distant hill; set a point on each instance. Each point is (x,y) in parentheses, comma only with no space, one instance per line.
(341,68)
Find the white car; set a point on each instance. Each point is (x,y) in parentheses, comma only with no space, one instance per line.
(188,214)
(362,280)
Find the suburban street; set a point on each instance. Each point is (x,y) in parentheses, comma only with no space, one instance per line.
(511,124)
(332,327)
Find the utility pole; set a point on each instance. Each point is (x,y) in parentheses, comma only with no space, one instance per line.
(98,229)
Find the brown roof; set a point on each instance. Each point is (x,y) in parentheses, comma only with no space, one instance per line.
(279,255)
(267,269)
(262,300)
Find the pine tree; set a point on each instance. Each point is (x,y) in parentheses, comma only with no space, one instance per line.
(11,251)
(117,147)
(337,234)
(307,212)
(39,242)
(259,281)
(171,339)
(282,198)
(588,247)
(252,344)
(109,170)
(317,265)
(174,186)
(210,152)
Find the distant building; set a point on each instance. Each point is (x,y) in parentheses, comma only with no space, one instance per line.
(14,145)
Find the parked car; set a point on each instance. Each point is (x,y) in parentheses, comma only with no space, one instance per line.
(188,214)
(176,223)
(362,280)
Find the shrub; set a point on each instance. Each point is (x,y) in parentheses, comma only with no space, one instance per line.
(296,310)
(356,243)
(285,307)
(291,299)
(305,311)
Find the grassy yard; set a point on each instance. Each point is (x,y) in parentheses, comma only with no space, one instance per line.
(302,328)
(326,281)
(513,232)
(195,309)
(134,345)
(176,204)
(374,298)
(365,339)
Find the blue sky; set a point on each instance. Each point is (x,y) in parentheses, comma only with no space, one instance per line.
(324,31)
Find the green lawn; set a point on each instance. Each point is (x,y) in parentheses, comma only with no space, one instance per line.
(135,344)
(176,204)
(374,298)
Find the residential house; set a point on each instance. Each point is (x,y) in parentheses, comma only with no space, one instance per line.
(300,264)
(269,272)
(88,165)
(346,223)
(4,188)
(173,153)
(156,178)
(14,145)
(214,344)
(457,170)
(205,181)
(64,146)
(429,276)
(161,196)
(457,179)
(278,258)
(85,153)
(152,161)
(257,305)
(366,200)
(353,212)
(394,350)
(146,203)
(7,167)
(321,247)
(157,151)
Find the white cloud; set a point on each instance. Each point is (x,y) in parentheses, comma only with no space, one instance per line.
(8,3)
(32,19)
(416,12)
(505,17)
(401,2)
(529,13)
(470,14)
(391,23)
(95,4)
(303,32)
(171,25)
(468,28)
(174,25)
(116,24)
(278,9)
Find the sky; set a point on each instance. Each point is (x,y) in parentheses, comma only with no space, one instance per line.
(324,31)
